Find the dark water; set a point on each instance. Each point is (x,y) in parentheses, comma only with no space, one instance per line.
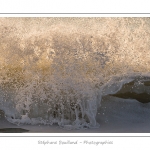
(13,130)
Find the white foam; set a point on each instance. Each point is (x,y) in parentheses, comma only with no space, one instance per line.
(58,74)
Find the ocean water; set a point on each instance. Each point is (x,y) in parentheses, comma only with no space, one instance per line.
(57,70)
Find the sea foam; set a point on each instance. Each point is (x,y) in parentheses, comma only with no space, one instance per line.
(56,70)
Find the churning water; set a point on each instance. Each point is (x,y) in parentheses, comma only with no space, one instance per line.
(56,70)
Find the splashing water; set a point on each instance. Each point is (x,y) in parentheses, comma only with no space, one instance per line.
(55,70)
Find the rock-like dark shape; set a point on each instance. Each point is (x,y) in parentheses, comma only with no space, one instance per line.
(13,130)
(141,97)
(147,83)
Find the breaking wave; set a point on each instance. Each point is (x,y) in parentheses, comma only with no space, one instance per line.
(56,70)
